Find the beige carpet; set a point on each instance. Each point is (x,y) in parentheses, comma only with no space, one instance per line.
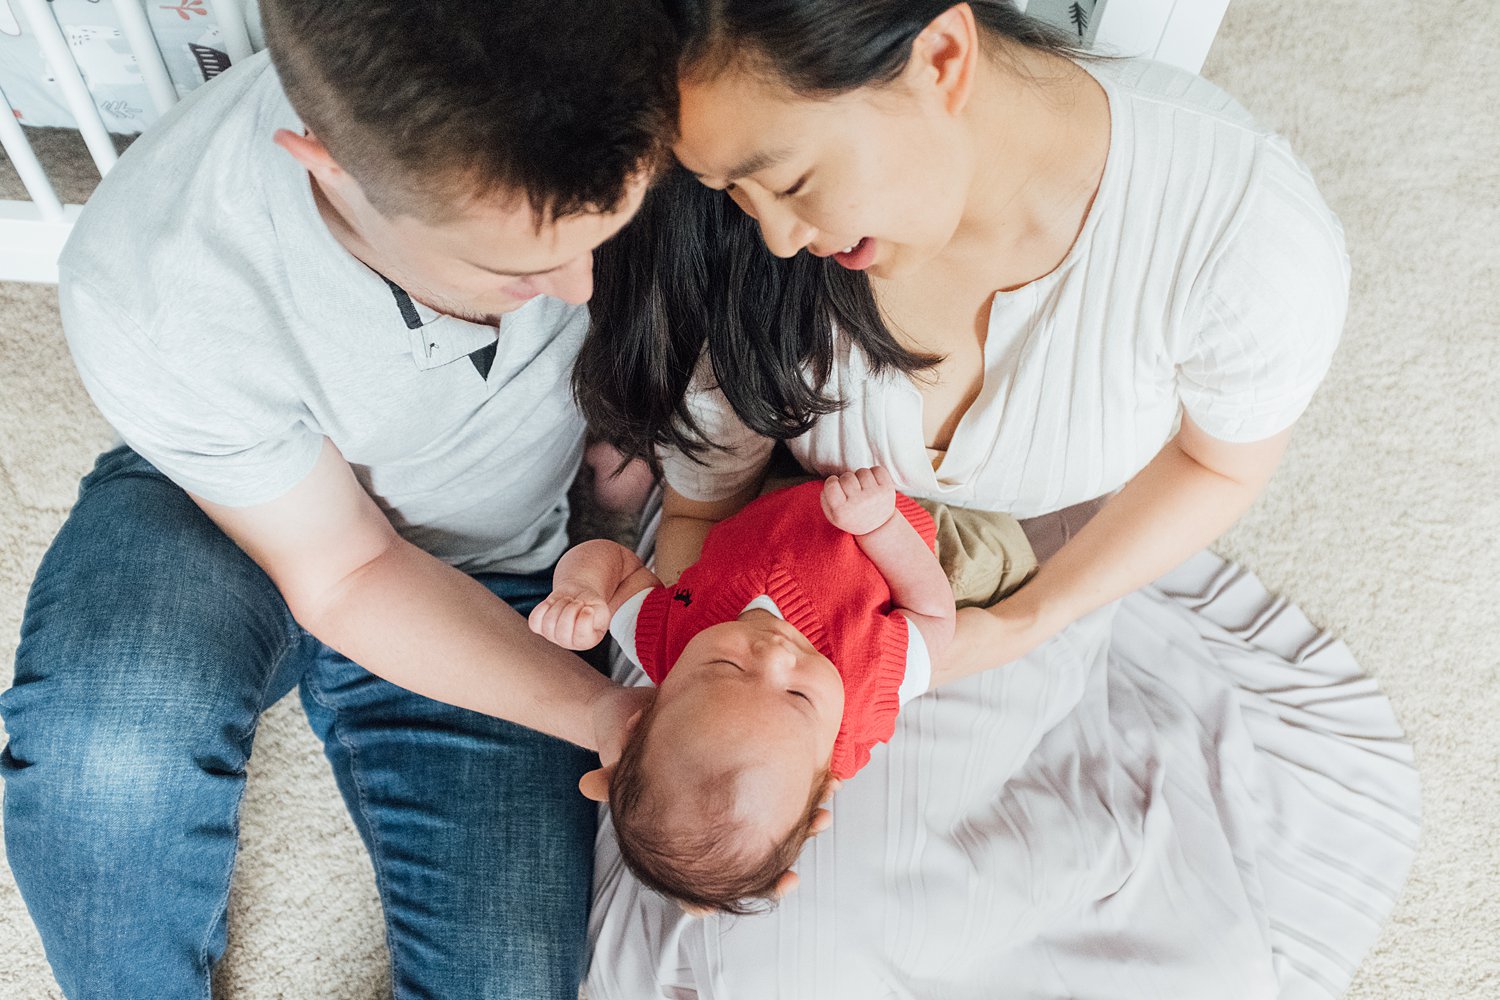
(1382,524)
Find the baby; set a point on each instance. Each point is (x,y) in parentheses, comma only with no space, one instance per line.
(781,657)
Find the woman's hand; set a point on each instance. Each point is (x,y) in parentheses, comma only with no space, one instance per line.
(989,637)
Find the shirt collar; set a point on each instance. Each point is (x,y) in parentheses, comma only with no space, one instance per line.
(436,339)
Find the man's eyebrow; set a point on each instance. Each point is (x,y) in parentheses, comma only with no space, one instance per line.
(753,163)
(510,274)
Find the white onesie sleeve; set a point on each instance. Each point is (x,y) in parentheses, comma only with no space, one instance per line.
(918,666)
(622,626)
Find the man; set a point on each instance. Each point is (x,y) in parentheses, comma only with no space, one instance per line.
(331,308)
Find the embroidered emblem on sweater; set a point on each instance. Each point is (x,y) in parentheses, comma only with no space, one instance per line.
(685,596)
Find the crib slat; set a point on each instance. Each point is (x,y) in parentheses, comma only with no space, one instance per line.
(18,148)
(231,15)
(55,48)
(147,55)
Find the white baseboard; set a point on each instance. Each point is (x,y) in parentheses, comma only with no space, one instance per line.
(29,244)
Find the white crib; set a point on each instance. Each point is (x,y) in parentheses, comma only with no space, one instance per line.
(32,232)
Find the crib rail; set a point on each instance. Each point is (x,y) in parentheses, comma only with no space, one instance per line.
(32,232)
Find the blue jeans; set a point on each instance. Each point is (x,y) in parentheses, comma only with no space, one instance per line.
(149,648)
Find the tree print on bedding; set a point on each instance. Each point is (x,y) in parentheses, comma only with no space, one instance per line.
(1079,18)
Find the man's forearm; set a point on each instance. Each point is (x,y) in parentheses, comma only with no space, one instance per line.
(421,624)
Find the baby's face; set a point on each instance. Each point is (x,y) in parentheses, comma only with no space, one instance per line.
(753,695)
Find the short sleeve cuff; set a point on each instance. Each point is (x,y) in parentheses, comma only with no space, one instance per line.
(918,666)
(622,626)
(1243,423)
(271,471)
(728,471)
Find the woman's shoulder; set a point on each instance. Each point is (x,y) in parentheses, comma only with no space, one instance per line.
(1200,166)
(1175,122)
(1158,88)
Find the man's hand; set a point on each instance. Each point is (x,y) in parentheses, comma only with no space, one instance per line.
(614,712)
(860,501)
(572,616)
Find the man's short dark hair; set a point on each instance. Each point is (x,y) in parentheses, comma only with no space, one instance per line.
(430,104)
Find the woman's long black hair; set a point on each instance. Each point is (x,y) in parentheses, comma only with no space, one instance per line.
(690,277)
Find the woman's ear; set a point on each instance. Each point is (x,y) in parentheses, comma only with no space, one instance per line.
(595,784)
(945,57)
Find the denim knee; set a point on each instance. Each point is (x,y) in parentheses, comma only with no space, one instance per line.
(149,646)
(101,768)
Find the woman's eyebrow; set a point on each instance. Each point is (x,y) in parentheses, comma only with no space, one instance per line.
(751,164)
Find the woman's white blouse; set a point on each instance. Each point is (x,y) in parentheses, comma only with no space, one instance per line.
(1209,277)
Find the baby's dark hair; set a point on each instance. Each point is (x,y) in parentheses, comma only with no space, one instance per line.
(703,869)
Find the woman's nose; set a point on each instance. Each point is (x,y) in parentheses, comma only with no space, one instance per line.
(785,234)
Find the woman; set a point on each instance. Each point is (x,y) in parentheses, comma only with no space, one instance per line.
(1093,294)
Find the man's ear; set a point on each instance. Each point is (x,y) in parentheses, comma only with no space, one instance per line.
(308,150)
(595,784)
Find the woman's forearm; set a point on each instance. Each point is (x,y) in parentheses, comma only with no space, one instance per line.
(1171,509)
(1188,495)
(679,541)
(685,525)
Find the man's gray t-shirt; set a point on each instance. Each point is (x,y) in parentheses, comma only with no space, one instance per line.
(224,332)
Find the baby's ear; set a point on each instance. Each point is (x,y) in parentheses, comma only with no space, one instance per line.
(595,784)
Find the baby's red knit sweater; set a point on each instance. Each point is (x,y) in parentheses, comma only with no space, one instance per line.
(782,546)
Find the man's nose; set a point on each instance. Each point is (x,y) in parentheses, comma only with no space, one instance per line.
(573,282)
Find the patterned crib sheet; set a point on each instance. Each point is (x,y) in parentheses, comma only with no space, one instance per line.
(187,33)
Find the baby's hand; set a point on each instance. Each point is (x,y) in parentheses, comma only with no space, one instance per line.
(860,501)
(571,617)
